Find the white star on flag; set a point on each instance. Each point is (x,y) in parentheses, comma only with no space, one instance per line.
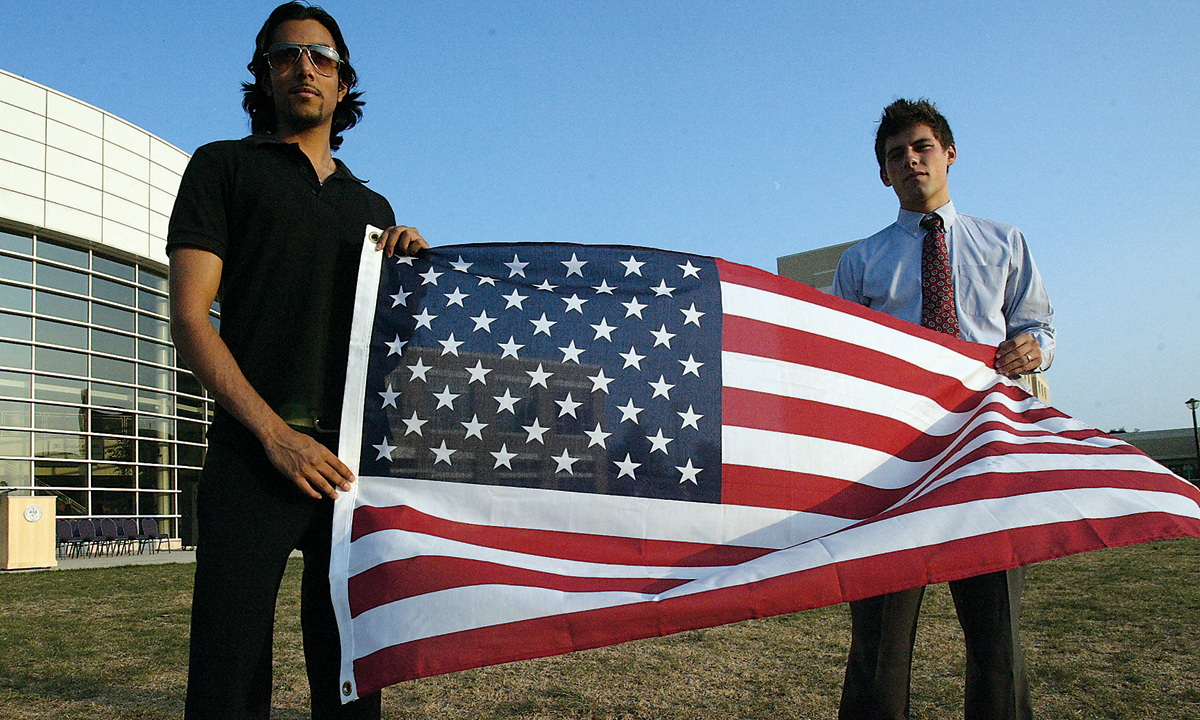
(385,450)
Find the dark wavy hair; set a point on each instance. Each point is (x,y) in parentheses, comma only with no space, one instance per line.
(904,114)
(259,105)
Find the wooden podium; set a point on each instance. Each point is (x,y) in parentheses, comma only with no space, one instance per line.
(27,532)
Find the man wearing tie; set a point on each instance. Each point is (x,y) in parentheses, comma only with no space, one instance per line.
(975,279)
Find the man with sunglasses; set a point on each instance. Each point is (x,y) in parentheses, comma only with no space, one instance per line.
(274,225)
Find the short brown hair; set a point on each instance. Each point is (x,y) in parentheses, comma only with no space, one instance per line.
(904,114)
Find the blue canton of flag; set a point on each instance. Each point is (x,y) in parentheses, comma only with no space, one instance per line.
(568,367)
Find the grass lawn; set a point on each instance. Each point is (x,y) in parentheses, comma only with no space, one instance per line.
(1109,634)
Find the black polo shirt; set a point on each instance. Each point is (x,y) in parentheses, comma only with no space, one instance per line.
(290,247)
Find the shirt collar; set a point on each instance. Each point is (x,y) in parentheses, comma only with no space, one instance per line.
(260,139)
(910,222)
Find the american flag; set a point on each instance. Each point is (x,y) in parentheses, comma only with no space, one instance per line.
(567,446)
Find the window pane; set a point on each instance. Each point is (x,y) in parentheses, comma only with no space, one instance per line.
(108,369)
(56,277)
(153,302)
(67,390)
(112,422)
(151,351)
(112,267)
(15,414)
(112,396)
(155,378)
(192,455)
(58,417)
(112,317)
(112,343)
(188,383)
(15,384)
(56,333)
(158,453)
(112,448)
(14,355)
(157,503)
(71,503)
(12,268)
(156,428)
(190,407)
(60,306)
(16,298)
(152,279)
(14,443)
(59,447)
(110,502)
(16,327)
(154,328)
(160,403)
(16,243)
(14,473)
(62,361)
(191,431)
(59,253)
(60,474)
(109,290)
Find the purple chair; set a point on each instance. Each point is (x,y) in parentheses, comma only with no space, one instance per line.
(112,539)
(88,539)
(153,536)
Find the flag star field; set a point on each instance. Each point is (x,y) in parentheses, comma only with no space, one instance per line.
(580,368)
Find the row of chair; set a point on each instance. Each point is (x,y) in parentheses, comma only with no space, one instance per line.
(77,538)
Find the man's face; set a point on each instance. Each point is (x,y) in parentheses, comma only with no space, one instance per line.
(915,166)
(304,98)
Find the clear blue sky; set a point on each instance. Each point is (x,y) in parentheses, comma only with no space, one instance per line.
(736,129)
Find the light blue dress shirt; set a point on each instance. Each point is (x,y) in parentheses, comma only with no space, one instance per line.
(998,292)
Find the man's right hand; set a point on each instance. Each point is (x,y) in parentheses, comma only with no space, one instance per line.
(400,239)
(314,469)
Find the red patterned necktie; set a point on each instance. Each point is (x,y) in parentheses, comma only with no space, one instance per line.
(937,282)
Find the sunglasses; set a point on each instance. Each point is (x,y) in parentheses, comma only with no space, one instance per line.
(282,57)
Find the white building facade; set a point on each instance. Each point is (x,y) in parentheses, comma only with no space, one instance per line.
(93,407)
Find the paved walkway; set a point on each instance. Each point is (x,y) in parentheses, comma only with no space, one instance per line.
(104,561)
(146,558)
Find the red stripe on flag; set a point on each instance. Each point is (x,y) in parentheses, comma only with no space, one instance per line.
(583,547)
(804,590)
(400,579)
(802,492)
(766,340)
(760,280)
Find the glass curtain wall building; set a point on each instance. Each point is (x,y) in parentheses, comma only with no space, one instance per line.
(94,408)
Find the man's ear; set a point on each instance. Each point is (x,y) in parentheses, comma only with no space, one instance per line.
(342,90)
(883,176)
(951,155)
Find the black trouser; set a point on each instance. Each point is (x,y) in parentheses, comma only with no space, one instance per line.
(884,628)
(250,519)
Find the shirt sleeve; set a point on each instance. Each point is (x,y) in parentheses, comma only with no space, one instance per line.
(199,217)
(848,278)
(1026,304)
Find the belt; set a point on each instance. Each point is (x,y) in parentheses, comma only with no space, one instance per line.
(308,422)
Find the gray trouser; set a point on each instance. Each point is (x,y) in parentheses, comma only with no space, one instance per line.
(884,628)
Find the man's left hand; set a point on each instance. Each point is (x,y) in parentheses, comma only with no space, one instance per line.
(402,239)
(1018,356)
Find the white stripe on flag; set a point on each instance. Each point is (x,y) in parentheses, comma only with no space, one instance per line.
(788,312)
(595,514)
